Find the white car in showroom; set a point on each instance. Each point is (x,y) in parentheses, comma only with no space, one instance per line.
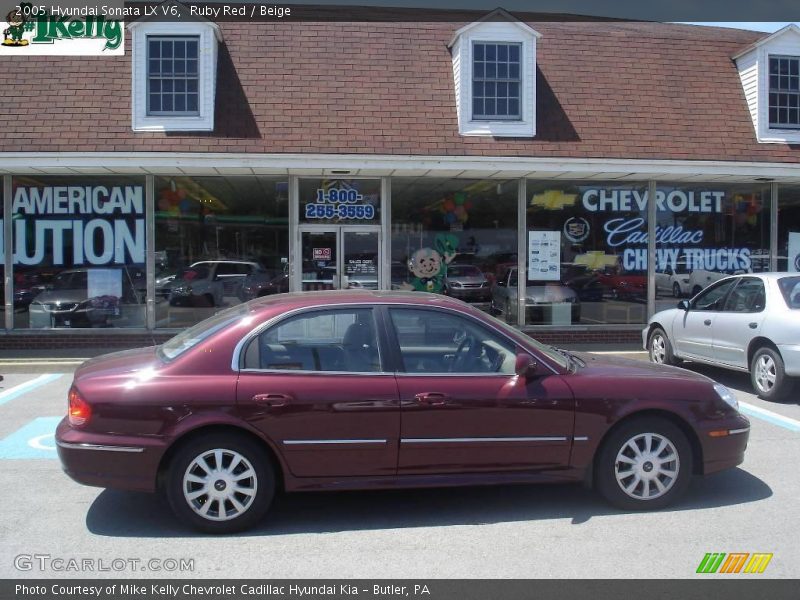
(748,322)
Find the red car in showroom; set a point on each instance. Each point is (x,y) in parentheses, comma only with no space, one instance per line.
(367,389)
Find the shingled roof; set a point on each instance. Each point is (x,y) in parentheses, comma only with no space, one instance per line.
(605,90)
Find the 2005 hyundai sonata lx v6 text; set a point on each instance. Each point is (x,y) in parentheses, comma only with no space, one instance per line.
(366,390)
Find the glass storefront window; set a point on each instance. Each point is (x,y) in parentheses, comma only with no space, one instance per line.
(219,241)
(789,228)
(453,236)
(587,253)
(705,232)
(79,252)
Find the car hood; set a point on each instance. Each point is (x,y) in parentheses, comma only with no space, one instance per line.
(119,363)
(467,279)
(66,295)
(617,367)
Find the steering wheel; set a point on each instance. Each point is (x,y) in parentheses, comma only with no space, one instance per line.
(462,352)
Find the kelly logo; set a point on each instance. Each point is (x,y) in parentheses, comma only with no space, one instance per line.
(735,562)
(39,32)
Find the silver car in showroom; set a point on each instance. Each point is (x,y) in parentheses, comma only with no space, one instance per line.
(549,302)
(748,322)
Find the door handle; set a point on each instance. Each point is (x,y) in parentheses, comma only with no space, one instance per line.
(707,322)
(273,400)
(753,325)
(431,398)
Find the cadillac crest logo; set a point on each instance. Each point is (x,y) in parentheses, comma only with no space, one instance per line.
(576,229)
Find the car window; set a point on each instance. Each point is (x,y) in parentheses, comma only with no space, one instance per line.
(328,340)
(712,298)
(463,271)
(790,288)
(512,279)
(747,297)
(204,329)
(228,269)
(436,342)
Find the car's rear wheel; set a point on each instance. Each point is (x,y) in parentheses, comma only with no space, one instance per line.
(220,483)
(645,464)
(660,348)
(768,375)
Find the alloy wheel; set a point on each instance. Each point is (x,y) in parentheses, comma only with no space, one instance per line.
(658,349)
(765,373)
(647,466)
(220,484)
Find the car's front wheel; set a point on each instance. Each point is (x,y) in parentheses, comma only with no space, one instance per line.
(676,290)
(768,375)
(660,348)
(220,483)
(644,464)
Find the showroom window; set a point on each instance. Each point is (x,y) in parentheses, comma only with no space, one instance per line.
(586,254)
(453,236)
(789,228)
(705,232)
(219,241)
(78,252)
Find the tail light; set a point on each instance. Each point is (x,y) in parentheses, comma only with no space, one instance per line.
(79,409)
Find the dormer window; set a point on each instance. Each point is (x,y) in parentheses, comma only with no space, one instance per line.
(769,71)
(174,73)
(496,81)
(784,92)
(494,70)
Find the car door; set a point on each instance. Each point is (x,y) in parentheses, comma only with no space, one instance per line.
(739,322)
(693,331)
(314,383)
(463,408)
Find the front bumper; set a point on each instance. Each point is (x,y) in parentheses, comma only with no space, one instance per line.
(726,451)
(475,294)
(109,461)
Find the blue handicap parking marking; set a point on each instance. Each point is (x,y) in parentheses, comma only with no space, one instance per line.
(34,440)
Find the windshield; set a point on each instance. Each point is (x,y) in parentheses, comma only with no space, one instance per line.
(463,271)
(549,351)
(790,288)
(191,273)
(204,329)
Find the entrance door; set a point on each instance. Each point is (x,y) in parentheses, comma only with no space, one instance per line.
(339,257)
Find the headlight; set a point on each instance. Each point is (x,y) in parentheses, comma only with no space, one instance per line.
(183,290)
(455,284)
(726,395)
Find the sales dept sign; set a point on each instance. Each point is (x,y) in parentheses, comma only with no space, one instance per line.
(79,225)
(339,203)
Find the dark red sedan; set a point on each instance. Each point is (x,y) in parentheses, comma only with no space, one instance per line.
(362,389)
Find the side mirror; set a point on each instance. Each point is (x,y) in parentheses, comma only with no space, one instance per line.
(684,305)
(501,283)
(526,366)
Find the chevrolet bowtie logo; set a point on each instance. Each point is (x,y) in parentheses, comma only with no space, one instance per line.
(553,200)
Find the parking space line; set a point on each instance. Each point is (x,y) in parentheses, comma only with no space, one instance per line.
(28,386)
(769,416)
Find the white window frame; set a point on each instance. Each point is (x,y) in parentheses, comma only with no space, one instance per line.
(510,32)
(207,76)
(768,132)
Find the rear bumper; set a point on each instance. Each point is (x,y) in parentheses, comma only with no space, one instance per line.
(727,451)
(109,461)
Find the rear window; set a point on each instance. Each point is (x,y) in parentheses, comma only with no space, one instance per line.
(790,288)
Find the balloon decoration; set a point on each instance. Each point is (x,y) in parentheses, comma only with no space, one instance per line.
(174,202)
(455,208)
(748,206)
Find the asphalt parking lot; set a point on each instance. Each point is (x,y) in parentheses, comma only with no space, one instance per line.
(499,532)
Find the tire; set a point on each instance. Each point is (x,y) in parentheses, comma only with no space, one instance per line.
(612,476)
(240,453)
(676,290)
(660,348)
(768,375)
